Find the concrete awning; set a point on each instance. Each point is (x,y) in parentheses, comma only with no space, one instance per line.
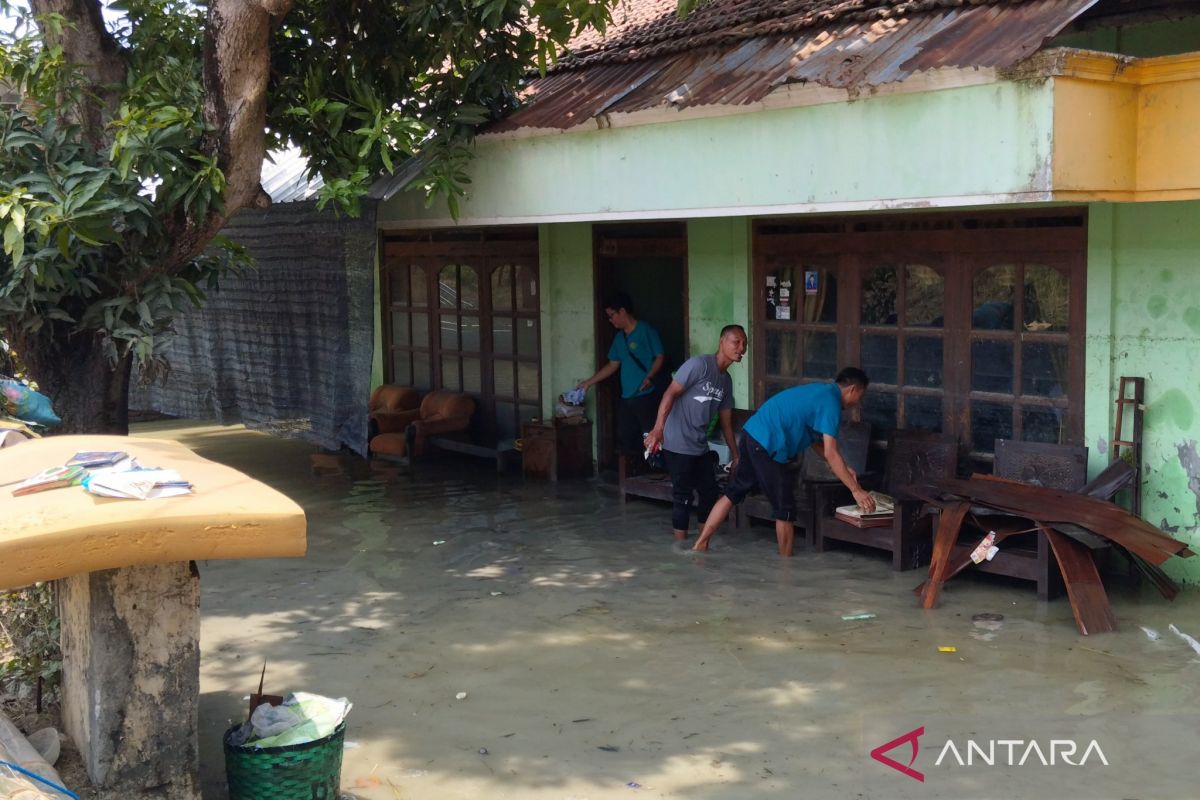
(63,532)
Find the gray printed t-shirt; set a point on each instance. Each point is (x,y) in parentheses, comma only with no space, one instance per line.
(706,390)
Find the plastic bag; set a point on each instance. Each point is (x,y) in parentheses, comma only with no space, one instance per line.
(17,783)
(27,405)
(269,720)
(317,716)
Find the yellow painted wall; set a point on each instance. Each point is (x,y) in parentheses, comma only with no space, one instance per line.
(1095,135)
(1126,130)
(1169,136)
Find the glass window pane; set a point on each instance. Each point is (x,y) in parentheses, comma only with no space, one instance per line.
(449,326)
(400,328)
(422,373)
(450,377)
(1044,369)
(1043,425)
(502,287)
(879,409)
(992,366)
(502,376)
(992,309)
(529,413)
(776,388)
(502,335)
(506,421)
(469,327)
(779,293)
(527,344)
(820,295)
(820,355)
(472,376)
(420,330)
(879,359)
(398,284)
(781,353)
(420,291)
(923,361)
(528,383)
(923,413)
(989,422)
(448,287)
(526,289)
(401,367)
(1047,299)
(468,288)
(925,290)
(879,297)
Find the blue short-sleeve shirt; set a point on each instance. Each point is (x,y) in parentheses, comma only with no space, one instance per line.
(790,421)
(643,343)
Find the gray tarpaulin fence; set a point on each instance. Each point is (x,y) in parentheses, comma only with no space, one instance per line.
(287,348)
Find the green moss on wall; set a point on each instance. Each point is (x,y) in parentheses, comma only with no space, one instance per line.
(1155,307)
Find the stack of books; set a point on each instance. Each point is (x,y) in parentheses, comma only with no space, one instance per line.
(881,517)
(108,474)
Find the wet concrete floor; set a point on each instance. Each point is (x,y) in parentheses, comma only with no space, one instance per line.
(600,660)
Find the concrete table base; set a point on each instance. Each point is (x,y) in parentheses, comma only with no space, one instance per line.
(131,676)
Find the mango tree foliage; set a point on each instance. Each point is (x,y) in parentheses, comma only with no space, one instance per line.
(133,133)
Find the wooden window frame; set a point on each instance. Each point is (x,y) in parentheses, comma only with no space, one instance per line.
(484,251)
(958,245)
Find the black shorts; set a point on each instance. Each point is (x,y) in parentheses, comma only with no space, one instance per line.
(756,468)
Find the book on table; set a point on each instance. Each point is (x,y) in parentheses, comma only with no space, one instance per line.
(97,458)
(137,484)
(50,478)
(881,517)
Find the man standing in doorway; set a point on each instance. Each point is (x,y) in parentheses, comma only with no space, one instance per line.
(702,389)
(784,426)
(637,352)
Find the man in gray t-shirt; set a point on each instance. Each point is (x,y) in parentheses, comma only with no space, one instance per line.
(701,389)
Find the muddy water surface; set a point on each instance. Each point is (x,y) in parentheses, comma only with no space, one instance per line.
(599,660)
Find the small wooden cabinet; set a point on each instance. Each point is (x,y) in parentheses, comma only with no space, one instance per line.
(554,451)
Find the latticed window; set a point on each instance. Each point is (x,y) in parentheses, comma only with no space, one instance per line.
(461,312)
(972,326)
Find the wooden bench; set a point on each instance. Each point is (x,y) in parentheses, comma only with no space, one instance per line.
(913,457)
(812,476)
(498,454)
(657,485)
(1028,556)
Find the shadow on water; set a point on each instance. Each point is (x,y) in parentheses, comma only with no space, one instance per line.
(595,653)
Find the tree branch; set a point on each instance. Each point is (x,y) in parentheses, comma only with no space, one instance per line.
(237,65)
(88,45)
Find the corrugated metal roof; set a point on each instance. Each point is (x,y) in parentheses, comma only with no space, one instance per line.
(859,50)
(285,177)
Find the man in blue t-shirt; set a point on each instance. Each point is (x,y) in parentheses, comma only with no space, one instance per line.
(700,390)
(796,418)
(637,352)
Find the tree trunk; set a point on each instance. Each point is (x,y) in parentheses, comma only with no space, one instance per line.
(87,392)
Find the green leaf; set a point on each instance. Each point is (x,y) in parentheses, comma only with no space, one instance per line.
(14,244)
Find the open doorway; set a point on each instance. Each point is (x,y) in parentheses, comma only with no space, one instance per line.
(647,261)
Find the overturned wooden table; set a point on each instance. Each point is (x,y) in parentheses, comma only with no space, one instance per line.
(129,597)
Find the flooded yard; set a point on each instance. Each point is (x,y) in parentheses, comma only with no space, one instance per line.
(509,639)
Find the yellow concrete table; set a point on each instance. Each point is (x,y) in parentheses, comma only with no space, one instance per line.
(129,596)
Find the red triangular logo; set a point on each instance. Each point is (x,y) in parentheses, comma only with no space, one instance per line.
(911,737)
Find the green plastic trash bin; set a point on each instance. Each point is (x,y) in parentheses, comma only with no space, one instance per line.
(309,771)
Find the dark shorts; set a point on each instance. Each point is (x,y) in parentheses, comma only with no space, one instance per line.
(756,469)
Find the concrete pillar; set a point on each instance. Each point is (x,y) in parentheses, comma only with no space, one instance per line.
(131,678)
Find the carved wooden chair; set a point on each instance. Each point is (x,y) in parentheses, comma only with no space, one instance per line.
(913,457)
